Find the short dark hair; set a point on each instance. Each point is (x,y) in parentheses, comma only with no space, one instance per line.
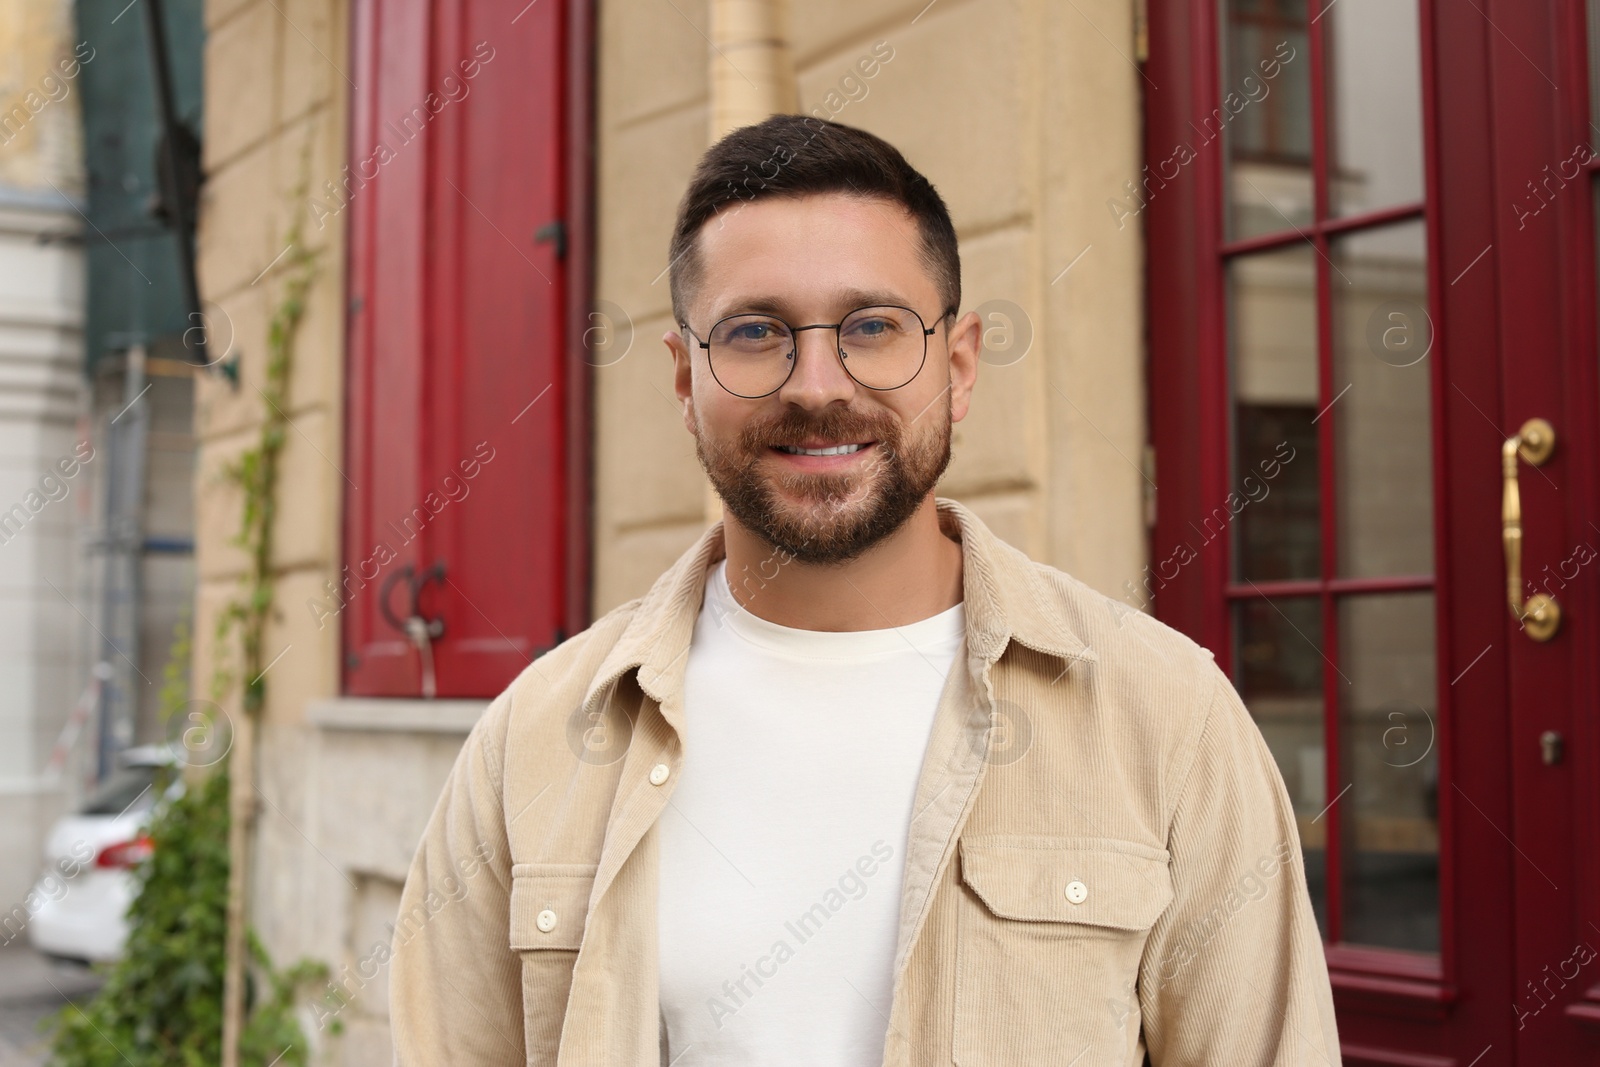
(801,155)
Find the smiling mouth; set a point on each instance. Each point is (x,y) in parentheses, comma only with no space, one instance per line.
(833,450)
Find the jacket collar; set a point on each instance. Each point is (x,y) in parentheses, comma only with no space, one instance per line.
(1006,595)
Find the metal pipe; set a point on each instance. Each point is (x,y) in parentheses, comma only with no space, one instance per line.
(752,77)
(752,71)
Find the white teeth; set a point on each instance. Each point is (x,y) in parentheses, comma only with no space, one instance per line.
(837,450)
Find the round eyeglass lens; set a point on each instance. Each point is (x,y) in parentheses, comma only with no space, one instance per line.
(883,347)
(750,354)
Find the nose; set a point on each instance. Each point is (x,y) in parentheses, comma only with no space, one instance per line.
(819,377)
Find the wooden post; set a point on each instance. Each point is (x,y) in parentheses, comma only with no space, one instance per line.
(241,822)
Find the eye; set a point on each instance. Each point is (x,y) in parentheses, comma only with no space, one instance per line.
(750,333)
(872,327)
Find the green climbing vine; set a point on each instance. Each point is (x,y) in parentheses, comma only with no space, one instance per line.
(255,472)
(163,1000)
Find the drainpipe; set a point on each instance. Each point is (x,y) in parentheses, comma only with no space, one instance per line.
(752,73)
(752,77)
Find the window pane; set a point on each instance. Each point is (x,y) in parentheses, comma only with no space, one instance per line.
(1374,94)
(1273,334)
(1264,116)
(1278,669)
(1594,57)
(1390,759)
(1383,454)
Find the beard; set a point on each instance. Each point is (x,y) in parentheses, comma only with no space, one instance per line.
(828,518)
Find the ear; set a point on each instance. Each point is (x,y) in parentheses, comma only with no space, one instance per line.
(682,375)
(965,344)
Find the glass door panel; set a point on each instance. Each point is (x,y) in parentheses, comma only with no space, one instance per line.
(1272,310)
(1373,62)
(1388,726)
(1383,455)
(1278,668)
(1264,115)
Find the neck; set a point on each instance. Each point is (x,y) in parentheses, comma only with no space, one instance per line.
(912,574)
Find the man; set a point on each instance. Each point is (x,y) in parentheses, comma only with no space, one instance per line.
(855,782)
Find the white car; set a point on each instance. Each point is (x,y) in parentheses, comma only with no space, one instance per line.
(78,908)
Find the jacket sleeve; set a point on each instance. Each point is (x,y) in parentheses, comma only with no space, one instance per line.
(1234,970)
(455,988)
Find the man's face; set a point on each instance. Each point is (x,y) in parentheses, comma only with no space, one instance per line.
(811,260)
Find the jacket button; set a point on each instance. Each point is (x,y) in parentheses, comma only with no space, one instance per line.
(658,773)
(546,920)
(1077,892)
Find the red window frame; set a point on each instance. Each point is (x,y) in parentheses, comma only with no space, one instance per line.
(449,334)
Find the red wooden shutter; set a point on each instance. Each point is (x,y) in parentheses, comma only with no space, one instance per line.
(464,456)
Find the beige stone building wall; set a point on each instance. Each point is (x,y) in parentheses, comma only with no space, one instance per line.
(41,132)
(277,93)
(1025,114)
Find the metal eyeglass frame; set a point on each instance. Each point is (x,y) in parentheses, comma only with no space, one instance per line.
(838,347)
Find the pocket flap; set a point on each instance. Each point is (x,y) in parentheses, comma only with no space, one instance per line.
(1099,881)
(557,891)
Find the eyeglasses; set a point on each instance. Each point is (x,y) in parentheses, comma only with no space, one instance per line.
(880,347)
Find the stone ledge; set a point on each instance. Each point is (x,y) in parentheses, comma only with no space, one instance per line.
(385,715)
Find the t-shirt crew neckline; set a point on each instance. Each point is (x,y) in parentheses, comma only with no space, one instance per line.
(941,631)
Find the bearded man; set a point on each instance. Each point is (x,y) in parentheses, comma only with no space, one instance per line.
(855,782)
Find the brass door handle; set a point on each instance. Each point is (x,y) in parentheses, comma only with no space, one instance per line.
(1539,615)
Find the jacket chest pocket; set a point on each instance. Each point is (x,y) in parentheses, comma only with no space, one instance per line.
(549,903)
(1049,935)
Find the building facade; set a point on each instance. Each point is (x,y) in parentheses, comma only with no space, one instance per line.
(41,427)
(1242,369)
(96,452)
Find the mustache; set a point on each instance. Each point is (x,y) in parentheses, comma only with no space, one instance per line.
(832,425)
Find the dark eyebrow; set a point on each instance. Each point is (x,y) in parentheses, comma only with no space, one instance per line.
(845,300)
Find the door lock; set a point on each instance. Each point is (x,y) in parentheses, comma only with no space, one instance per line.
(1551,747)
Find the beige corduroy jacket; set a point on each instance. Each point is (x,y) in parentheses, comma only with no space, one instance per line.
(1103,862)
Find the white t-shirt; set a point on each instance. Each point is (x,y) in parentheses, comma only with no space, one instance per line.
(782,848)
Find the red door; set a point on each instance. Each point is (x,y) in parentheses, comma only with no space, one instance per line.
(1371,263)
(466,494)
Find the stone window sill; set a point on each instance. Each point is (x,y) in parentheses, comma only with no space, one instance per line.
(395,715)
